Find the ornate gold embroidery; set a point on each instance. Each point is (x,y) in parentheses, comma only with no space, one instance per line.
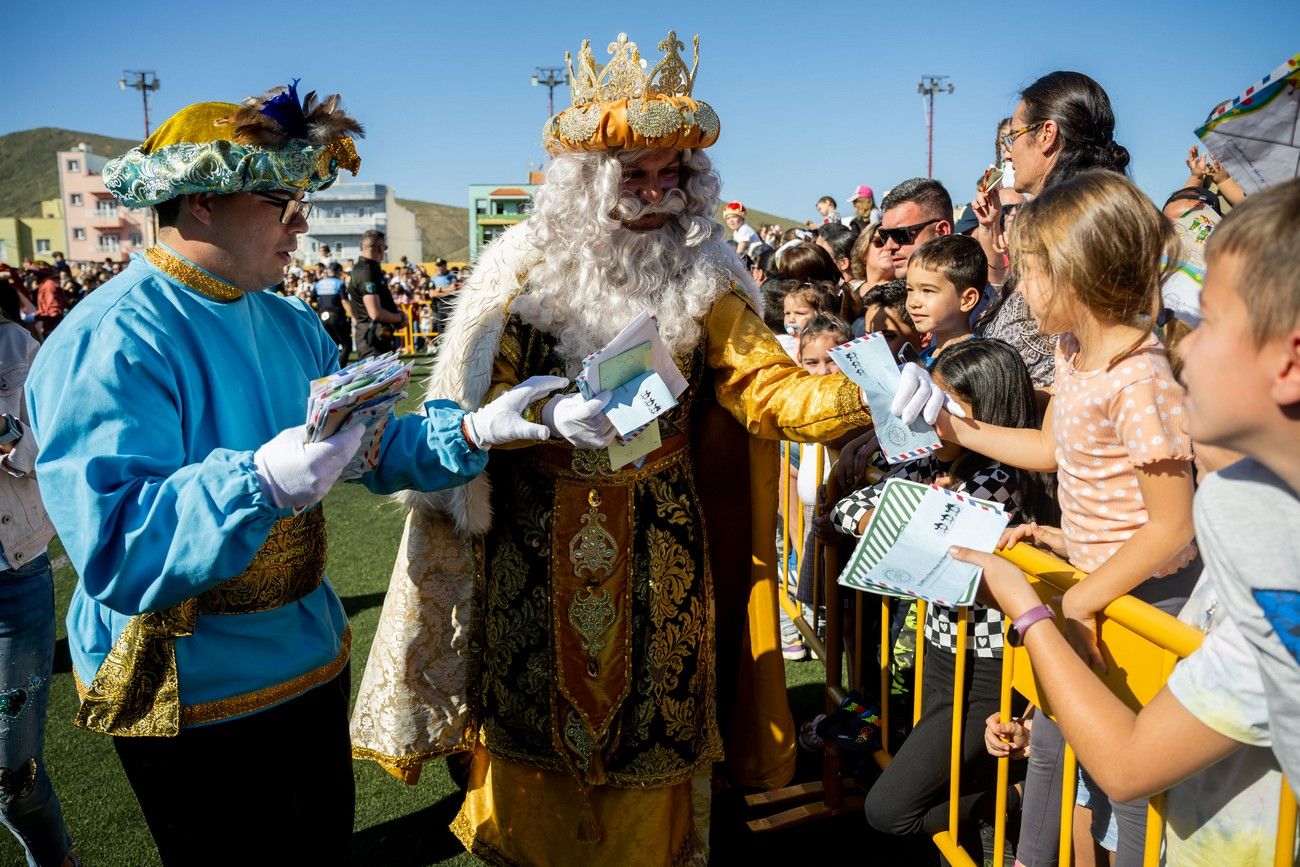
(510,347)
(657,762)
(652,118)
(136,691)
(593,549)
(671,576)
(676,510)
(192,275)
(591,462)
(669,648)
(680,718)
(848,402)
(577,739)
(592,615)
(288,566)
(578,124)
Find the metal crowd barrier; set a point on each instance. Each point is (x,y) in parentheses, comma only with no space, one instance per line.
(1140,643)
(410,331)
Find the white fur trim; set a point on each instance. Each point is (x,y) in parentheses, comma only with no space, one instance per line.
(463,371)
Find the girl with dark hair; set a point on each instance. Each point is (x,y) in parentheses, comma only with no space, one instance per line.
(990,381)
(807,261)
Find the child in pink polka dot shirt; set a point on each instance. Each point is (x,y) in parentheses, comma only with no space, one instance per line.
(1087,254)
(1109,424)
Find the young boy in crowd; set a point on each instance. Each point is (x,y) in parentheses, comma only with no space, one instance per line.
(827,207)
(1237,694)
(885,311)
(945,281)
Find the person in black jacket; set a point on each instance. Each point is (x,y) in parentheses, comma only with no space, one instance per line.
(374,313)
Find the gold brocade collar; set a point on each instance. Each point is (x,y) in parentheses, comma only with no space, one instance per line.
(184,271)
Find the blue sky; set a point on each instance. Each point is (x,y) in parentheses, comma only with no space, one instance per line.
(814,98)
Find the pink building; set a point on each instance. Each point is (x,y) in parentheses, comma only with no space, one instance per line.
(98,228)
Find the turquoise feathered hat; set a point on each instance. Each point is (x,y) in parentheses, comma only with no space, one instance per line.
(270,142)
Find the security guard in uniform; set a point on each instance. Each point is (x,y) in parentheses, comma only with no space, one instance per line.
(329,291)
(374,313)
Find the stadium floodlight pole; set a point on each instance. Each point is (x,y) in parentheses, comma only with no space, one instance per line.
(144,80)
(928,87)
(549,77)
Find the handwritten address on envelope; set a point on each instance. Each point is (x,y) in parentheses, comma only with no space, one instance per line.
(868,362)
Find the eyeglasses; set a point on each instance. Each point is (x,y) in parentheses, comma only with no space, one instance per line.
(902,235)
(1009,137)
(289,208)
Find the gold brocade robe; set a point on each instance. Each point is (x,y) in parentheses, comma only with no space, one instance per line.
(611,609)
(598,603)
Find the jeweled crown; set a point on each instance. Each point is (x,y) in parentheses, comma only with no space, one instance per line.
(621,105)
(624,77)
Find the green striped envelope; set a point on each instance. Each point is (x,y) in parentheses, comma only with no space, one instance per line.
(904,551)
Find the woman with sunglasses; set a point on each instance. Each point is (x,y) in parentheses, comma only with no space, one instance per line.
(1062,125)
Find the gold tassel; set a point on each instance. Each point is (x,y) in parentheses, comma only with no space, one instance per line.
(589,829)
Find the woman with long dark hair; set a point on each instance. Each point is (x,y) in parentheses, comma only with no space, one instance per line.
(1062,125)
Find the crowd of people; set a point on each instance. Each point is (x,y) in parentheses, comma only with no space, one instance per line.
(39,293)
(558,616)
(1046,309)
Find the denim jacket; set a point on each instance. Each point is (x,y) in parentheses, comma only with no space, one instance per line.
(25,529)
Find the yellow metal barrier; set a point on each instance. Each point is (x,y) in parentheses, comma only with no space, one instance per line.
(410,331)
(1139,643)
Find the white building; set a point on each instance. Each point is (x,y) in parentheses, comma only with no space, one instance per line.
(347,209)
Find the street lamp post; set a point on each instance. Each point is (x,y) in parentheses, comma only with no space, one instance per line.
(928,87)
(144,80)
(549,77)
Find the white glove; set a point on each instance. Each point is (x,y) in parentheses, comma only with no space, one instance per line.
(501,421)
(580,421)
(295,473)
(918,395)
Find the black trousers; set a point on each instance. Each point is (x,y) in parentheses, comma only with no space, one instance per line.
(338,326)
(911,795)
(275,787)
(371,342)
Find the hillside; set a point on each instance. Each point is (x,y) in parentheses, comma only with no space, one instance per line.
(445,229)
(28,171)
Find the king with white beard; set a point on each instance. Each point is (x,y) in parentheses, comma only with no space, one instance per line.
(596,637)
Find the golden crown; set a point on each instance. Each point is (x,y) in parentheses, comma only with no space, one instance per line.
(624,76)
(620,105)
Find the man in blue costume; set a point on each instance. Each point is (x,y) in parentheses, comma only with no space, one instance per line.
(204,636)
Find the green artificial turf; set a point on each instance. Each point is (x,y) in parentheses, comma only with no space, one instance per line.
(396,825)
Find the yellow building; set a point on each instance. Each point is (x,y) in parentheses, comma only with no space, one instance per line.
(32,237)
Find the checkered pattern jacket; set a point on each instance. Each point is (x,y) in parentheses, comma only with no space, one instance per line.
(992,483)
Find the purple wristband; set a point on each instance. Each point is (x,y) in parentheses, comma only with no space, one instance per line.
(1016,634)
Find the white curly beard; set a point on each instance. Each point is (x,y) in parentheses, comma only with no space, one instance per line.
(596,275)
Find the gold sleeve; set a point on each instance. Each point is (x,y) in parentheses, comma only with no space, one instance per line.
(764,390)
